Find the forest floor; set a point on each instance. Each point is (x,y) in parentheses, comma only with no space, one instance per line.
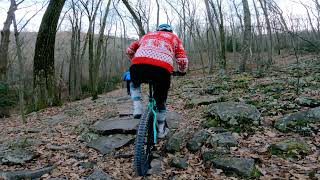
(60,138)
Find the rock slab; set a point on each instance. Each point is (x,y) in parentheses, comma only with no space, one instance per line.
(27,174)
(116,126)
(107,144)
(18,156)
(99,175)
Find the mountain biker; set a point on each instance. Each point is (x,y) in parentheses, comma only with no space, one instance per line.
(152,59)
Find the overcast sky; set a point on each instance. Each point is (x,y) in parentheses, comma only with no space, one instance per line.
(28,8)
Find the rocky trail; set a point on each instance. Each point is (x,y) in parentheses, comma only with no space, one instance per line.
(242,126)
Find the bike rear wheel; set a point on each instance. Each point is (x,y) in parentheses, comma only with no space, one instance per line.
(144,143)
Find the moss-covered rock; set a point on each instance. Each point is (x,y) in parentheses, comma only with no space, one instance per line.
(299,121)
(244,167)
(212,122)
(235,116)
(290,148)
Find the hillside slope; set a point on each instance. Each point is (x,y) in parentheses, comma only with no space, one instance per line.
(242,126)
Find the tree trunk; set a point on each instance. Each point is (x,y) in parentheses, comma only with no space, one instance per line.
(43,67)
(247,35)
(5,40)
(263,4)
(21,71)
(98,56)
(74,67)
(259,41)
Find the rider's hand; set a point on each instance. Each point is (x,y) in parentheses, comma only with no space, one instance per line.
(181,73)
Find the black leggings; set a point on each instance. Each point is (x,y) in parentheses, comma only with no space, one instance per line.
(140,73)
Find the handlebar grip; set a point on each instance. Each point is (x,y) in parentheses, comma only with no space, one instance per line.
(177,73)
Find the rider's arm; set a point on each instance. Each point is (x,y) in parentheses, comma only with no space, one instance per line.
(133,48)
(182,59)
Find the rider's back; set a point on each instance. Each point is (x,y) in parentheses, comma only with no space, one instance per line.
(159,49)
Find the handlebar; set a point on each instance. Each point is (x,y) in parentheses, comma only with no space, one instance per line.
(177,73)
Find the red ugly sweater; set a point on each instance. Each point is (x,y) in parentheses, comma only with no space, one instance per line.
(158,49)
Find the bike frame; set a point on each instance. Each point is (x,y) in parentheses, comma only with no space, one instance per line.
(152,106)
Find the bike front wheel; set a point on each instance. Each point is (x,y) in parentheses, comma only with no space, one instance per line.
(144,143)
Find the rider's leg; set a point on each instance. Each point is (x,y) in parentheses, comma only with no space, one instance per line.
(161,94)
(135,91)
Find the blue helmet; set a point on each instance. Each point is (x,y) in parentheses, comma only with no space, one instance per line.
(164,27)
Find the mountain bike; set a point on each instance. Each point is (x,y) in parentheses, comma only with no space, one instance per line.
(146,137)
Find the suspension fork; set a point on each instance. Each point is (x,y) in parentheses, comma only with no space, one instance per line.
(152,103)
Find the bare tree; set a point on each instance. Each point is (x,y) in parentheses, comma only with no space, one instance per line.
(91,13)
(158,12)
(217,11)
(136,17)
(264,7)
(98,56)
(5,35)
(247,35)
(43,70)
(259,39)
(74,67)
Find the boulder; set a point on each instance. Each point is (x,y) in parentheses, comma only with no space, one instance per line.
(173,120)
(234,115)
(116,126)
(197,140)
(179,163)
(107,144)
(174,143)
(223,140)
(155,167)
(211,154)
(299,121)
